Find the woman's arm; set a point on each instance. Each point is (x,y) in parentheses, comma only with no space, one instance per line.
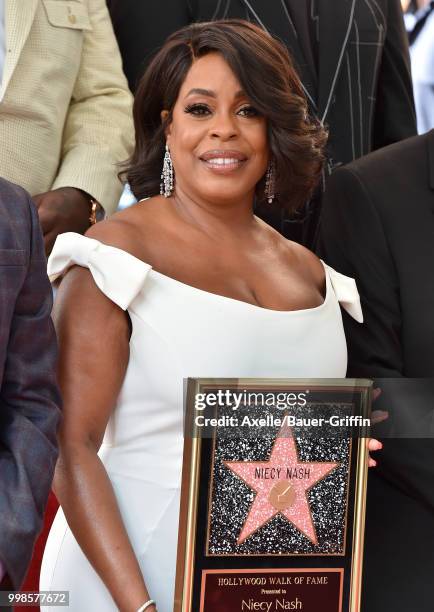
(93,336)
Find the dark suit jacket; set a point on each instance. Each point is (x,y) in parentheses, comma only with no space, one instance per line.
(363,87)
(378,227)
(29,398)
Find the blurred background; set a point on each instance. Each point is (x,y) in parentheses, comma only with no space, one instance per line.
(419,22)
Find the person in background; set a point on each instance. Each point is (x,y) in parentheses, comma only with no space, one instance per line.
(352,58)
(29,397)
(419,21)
(65,109)
(378,226)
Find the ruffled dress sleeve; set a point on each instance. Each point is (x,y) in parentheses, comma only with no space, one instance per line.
(345,290)
(118,274)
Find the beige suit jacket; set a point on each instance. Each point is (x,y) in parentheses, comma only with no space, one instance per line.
(65,110)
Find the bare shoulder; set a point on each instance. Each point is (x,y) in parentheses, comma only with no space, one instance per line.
(133,230)
(304,264)
(301,260)
(118,231)
(121,231)
(308,264)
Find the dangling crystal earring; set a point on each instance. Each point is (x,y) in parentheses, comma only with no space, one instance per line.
(270,180)
(166,185)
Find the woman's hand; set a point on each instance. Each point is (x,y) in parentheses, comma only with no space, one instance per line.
(373,445)
(377,416)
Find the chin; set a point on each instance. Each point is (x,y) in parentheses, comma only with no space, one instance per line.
(223,188)
(223,194)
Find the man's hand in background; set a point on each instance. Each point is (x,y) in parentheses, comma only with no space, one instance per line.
(66,209)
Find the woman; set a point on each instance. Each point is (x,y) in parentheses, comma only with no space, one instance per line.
(187,283)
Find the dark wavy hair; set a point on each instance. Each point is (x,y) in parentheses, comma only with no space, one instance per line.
(267,75)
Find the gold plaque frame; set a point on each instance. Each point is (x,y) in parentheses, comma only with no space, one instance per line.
(186,557)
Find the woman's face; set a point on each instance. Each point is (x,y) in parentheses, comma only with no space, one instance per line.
(217,139)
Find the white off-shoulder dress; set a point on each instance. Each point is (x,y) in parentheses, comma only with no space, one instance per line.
(177,331)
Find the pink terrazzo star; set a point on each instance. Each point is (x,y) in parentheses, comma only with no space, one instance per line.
(281,486)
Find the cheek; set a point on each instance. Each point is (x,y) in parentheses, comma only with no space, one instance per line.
(262,152)
(259,141)
(185,136)
(184,146)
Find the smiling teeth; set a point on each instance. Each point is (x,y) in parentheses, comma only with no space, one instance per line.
(223,161)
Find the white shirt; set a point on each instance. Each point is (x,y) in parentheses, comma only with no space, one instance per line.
(422,69)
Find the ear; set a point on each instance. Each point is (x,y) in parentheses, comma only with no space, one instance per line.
(164,115)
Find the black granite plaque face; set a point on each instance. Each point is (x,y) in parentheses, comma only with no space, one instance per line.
(232,499)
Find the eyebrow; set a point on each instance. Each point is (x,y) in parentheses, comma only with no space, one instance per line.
(211,94)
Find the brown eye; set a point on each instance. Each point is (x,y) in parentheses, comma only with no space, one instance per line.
(199,110)
(248,111)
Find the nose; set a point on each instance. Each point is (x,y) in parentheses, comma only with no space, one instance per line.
(224,126)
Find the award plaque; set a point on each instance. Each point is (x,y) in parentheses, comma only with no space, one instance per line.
(273,495)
